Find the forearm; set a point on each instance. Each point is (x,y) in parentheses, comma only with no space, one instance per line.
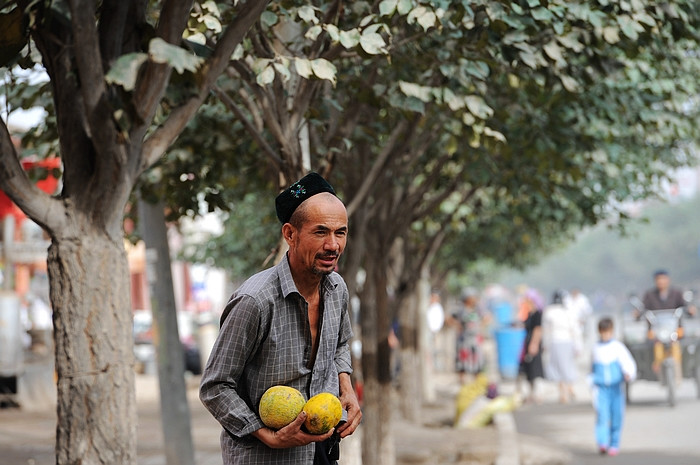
(349,401)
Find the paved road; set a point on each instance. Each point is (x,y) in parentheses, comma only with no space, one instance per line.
(653,434)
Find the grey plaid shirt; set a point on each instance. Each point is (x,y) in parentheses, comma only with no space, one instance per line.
(265,340)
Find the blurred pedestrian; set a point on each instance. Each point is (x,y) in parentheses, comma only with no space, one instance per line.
(41,319)
(531,355)
(561,342)
(468,321)
(436,321)
(580,306)
(612,367)
(436,313)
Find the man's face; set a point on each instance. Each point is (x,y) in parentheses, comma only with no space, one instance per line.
(317,245)
(662,282)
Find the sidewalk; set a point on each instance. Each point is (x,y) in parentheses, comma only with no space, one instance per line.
(29,437)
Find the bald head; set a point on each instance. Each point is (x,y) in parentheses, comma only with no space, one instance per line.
(318,204)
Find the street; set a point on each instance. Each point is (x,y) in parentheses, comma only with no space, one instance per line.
(654,433)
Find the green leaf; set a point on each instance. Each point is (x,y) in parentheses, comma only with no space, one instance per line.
(349,39)
(570,41)
(372,43)
(629,27)
(283,70)
(542,14)
(478,69)
(125,70)
(268,18)
(197,38)
(554,52)
(411,89)
(515,37)
(313,32)
(180,59)
(387,7)
(453,101)
(303,67)
(211,7)
(212,23)
(569,83)
(404,6)
(266,76)
(308,14)
(238,53)
(478,107)
(529,59)
(611,35)
(324,69)
(495,134)
(423,16)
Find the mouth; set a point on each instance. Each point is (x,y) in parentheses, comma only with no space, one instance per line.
(328,260)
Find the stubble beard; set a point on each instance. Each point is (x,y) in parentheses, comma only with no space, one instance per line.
(323,272)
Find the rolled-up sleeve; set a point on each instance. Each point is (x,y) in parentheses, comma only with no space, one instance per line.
(342,359)
(221,384)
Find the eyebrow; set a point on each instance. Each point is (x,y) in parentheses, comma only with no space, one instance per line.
(326,228)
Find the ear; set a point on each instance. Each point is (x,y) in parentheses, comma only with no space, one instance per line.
(288,232)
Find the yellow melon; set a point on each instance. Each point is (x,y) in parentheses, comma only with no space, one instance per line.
(280,405)
(323,413)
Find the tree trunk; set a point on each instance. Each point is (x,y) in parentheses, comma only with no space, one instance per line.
(90,295)
(377,439)
(174,409)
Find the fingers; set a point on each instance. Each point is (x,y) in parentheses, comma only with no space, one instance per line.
(354,419)
(298,421)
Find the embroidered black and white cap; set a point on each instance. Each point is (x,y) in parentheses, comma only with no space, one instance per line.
(290,198)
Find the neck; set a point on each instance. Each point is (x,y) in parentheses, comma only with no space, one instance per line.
(307,285)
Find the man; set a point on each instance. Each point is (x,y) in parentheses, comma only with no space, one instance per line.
(663,295)
(287,325)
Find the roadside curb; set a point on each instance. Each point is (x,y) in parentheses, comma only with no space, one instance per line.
(508,449)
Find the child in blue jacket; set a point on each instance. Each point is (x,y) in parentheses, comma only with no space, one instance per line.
(613,365)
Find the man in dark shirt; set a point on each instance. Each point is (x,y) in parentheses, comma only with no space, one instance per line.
(663,295)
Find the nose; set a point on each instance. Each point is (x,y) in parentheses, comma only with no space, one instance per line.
(332,243)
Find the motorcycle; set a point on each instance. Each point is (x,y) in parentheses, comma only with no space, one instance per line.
(666,354)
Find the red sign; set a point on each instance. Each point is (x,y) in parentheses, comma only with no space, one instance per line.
(48,185)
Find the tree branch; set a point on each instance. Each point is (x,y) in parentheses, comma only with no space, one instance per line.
(87,54)
(166,134)
(113,20)
(231,105)
(373,175)
(44,210)
(149,90)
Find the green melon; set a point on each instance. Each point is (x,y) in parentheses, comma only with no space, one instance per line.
(280,405)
